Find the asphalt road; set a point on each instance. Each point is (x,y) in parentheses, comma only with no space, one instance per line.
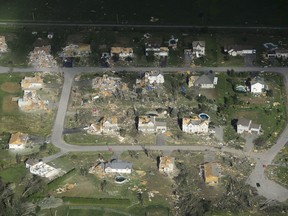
(269,189)
(63,24)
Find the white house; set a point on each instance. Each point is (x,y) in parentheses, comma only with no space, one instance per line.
(157,50)
(154,78)
(244,125)
(110,125)
(149,124)
(281,53)
(198,48)
(43,170)
(30,162)
(257,85)
(206,81)
(18,141)
(237,50)
(106,125)
(122,52)
(117,166)
(195,125)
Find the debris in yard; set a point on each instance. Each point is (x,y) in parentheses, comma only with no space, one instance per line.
(76,50)
(109,86)
(3,45)
(65,188)
(32,101)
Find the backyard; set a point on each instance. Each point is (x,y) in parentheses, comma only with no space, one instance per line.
(90,191)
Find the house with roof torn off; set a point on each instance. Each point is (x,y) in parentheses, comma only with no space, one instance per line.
(77,50)
(210,172)
(166,165)
(198,48)
(150,124)
(113,166)
(106,125)
(121,52)
(29,83)
(195,125)
(18,141)
(44,170)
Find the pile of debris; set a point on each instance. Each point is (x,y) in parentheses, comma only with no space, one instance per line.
(3,45)
(40,57)
(76,50)
(109,86)
(65,188)
(32,101)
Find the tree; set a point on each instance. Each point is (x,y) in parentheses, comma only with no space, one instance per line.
(259,142)
(18,158)
(103,185)
(269,93)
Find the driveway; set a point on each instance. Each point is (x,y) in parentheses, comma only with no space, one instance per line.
(249,59)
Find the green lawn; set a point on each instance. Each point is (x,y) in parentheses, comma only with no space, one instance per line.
(11,118)
(13,174)
(272,118)
(88,139)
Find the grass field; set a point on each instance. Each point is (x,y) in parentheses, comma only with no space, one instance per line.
(13,174)
(205,12)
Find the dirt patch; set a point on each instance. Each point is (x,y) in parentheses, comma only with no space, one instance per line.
(9,105)
(10,87)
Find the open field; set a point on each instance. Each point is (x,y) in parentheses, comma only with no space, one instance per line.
(203,12)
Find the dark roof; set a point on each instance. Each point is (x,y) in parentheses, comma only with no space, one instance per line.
(117,164)
(205,79)
(258,79)
(31,161)
(244,122)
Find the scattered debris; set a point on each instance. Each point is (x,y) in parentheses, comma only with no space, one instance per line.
(65,188)
(3,45)
(40,57)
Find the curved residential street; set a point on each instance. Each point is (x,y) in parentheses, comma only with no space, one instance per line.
(269,189)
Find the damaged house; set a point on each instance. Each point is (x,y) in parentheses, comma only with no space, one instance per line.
(150,124)
(106,125)
(195,124)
